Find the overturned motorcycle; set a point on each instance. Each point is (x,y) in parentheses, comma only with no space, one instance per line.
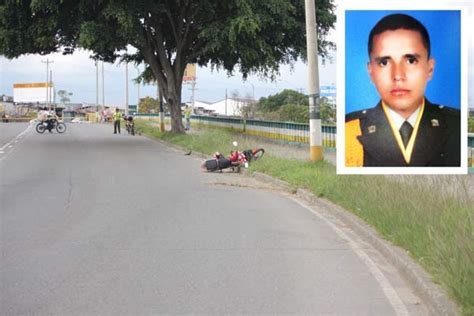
(235,161)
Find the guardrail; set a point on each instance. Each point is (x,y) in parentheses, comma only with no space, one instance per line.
(282,131)
(470,151)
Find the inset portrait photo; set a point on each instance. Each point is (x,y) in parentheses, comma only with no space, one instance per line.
(403,110)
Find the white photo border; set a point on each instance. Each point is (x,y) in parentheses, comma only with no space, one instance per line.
(465,10)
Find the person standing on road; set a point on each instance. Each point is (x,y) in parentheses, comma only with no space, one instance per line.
(117,118)
(187,117)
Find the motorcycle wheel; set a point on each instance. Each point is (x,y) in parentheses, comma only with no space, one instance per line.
(61,128)
(40,128)
(258,153)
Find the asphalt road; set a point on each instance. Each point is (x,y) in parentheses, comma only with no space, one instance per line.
(94,223)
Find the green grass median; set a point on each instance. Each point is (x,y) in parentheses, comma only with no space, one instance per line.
(431,217)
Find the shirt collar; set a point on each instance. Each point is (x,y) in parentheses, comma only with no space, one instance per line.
(398,119)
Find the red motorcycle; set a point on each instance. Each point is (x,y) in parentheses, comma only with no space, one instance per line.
(235,161)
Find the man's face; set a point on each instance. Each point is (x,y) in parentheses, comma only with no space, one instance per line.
(399,68)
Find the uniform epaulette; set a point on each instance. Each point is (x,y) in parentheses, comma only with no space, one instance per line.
(446,110)
(356,115)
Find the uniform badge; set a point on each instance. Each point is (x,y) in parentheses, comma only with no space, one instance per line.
(434,123)
(371,129)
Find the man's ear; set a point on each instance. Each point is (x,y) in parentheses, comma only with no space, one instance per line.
(369,69)
(431,65)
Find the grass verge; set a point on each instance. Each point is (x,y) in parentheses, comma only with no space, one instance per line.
(425,216)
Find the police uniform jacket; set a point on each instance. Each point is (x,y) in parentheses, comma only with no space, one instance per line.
(370,140)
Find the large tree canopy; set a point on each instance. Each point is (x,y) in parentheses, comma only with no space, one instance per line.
(255,36)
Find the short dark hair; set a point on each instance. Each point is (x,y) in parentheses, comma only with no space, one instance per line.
(398,21)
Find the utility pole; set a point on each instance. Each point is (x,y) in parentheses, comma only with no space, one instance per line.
(97,86)
(103,86)
(162,114)
(315,135)
(47,62)
(51,96)
(193,88)
(126,88)
(225,102)
(138,88)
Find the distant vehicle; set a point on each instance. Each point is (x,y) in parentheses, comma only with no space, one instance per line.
(79,120)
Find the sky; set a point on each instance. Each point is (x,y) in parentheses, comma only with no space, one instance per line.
(77,74)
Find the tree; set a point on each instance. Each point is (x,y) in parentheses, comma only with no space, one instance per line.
(328,111)
(255,36)
(64,96)
(287,96)
(149,105)
(294,113)
(291,105)
(246,106)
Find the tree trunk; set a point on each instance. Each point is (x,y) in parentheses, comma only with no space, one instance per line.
(174,101)
(176,116)
(171,90)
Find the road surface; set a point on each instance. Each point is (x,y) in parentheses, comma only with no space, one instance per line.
(94,223)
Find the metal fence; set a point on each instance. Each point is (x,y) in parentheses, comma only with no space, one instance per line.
(470,151)
(283,131)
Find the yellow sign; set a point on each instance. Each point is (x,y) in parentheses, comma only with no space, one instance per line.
(190,72)
(32,85)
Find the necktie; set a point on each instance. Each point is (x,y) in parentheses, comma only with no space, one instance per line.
(405,132)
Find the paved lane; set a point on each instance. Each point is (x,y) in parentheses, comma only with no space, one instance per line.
(95,223)
(11,134)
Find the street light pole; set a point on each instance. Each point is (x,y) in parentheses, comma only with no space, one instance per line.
(103,86)
(126,88)
(315,135)
(138,88)
(162,114)
(97,85)
(47,62)
(51,90)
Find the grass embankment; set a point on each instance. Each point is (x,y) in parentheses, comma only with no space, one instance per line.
(435,225)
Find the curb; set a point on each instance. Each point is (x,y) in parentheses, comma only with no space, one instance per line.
(433,295)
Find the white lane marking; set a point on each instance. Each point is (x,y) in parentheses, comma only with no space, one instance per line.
(392,296)
(14,140)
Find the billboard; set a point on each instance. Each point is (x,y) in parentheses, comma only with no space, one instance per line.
(32,92)
(190,73)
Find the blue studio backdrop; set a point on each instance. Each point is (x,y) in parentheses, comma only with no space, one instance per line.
(444,29)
